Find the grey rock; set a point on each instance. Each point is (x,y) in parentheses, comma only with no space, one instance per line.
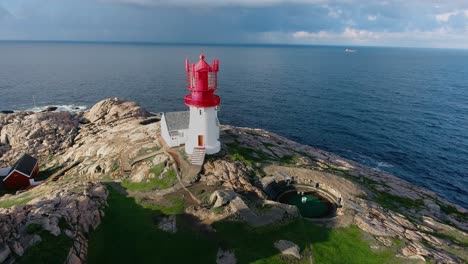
(288,248)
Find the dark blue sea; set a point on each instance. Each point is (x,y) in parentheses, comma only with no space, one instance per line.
(400,110)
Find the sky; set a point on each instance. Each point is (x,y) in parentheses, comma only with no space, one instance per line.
(405,23)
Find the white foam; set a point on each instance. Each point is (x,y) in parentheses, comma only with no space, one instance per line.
(67,108)
(382,164)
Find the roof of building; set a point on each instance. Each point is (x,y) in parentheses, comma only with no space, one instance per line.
(177,120)
(24,165)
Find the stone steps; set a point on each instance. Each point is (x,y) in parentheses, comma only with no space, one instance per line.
(198,156)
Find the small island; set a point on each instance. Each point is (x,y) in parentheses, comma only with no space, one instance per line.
(113,191)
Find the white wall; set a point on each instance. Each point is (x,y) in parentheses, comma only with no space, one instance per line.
(203,121)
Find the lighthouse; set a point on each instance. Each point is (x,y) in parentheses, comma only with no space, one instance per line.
(197,128)
(202,82)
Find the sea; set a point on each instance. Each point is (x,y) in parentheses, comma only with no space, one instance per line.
(398,110)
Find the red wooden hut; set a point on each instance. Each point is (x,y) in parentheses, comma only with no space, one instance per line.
(21,173)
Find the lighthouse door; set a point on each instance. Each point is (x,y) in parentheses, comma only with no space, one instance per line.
(200,140)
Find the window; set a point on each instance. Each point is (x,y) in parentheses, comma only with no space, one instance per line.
(200,112)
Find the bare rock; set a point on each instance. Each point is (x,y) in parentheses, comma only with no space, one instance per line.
(225,257)
(288,248)
(4,253)
(17,248)
(109,110)
(221,197)
(168,224)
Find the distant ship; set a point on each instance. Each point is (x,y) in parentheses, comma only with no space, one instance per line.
(349,50)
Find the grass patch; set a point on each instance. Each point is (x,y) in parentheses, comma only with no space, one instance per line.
(33,228)
(174,206)
(340,245)
(451,210)
(115,165)
(462,241)
(128,234)
(245,154)
(217,210)
(12,201)
(394,202)
(289,160)
(52,249)
(168,179)
(158,169)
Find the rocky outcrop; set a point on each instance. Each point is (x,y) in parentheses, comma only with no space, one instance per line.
(115,141)
(231,175)
(168,224)
(221,197)
(225,257)
(288,248)
(114,109)
(39,134)
(71,208)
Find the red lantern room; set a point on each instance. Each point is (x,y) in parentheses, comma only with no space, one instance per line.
(202,82)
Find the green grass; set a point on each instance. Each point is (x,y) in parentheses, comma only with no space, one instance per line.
(451,210)
(340,245)
(33,228)
(12,201)
(395,203)
(169,179)
(245,154)
(128,234)
(289,160)
(115,165)
(175,206)
(460,240)
(52,249)
(158,169)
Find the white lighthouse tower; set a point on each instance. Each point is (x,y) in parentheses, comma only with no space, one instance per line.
(203,130)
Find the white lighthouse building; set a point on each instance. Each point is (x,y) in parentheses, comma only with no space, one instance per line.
(197,128)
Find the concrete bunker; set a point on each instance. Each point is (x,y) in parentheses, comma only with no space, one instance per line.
(312,201)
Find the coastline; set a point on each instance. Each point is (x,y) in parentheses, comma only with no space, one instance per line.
(93,147)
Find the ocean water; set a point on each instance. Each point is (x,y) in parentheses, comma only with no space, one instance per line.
(400,110)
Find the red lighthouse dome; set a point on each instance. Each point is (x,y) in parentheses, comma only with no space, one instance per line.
(202,80)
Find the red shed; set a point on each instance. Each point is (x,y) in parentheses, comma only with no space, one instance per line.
(21,173)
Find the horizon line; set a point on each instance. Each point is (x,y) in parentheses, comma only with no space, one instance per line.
(156,43)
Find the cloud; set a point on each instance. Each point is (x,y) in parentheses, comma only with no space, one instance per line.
(215,3)
(4,13)
(409,22)
(445,17)
(439,37)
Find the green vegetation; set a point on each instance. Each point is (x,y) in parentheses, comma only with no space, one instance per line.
(174,206)
(115,165)
(245,154)
(289,160)
(339,245)
(12,201)
(128,234)
(52,249)
(158,169)
(394,202)
(218,210)
(33,228)
(451,210)
(168,179)
(460,240)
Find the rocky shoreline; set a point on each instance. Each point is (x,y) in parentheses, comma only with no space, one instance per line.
(117,141)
